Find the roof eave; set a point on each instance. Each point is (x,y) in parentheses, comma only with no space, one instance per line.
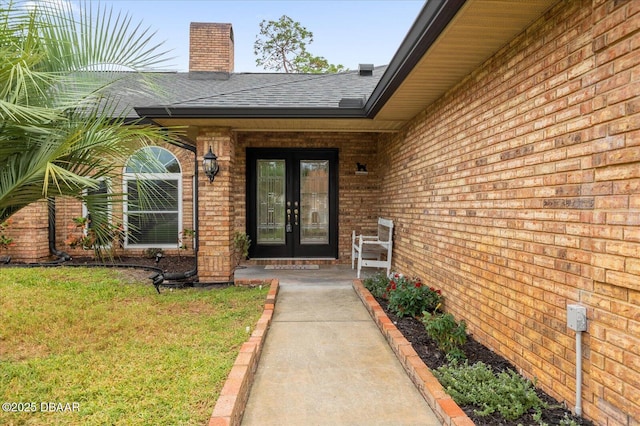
(432,20)
(217,112)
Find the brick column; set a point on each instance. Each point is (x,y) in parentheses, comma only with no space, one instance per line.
(215,208)
(30,233)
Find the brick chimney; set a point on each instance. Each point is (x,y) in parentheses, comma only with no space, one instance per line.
(211,47)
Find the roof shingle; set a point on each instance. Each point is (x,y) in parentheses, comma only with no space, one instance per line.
(245,90)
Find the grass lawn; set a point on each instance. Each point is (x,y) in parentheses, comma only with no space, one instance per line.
(107,343)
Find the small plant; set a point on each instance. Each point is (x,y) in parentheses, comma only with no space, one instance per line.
(98,236)
(183,236)
(119,234)
(5,241)
(153,252)
(567,421)
(409,297)
(80,235)
(449,335)
(507,393)
(241,244)
(377,285)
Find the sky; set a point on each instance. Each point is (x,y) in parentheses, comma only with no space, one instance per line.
(347,32)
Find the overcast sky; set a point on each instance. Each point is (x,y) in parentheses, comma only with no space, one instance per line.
(345,32)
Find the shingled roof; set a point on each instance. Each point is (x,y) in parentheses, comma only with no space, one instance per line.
(429,62)
(244,91)
(349,95)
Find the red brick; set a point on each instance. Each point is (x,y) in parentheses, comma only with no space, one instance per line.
(220,421)
(450,408)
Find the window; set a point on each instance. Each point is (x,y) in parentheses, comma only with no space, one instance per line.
(99,198)
(153,201)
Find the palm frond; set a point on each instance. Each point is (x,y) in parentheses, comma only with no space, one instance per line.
(60,129)
(95,39)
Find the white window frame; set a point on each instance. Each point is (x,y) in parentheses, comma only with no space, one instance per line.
(85,210)
(133,177)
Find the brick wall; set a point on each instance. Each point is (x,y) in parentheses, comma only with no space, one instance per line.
(358,194)
(211,47)
(29,230)
(518,193)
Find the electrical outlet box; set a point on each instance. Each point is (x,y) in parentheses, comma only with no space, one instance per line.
(577,317)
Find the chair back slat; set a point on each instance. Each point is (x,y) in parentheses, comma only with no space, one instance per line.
(385,229)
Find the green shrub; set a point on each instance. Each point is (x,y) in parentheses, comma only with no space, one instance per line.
(377,285)
(411,297)
(152,252)
(566,421)
(507,393)
(447,333)
(241,244)
(5,241)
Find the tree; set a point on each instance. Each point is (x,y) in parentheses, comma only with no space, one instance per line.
(282,46)
(61,130)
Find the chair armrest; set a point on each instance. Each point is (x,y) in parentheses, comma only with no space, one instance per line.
(376,242)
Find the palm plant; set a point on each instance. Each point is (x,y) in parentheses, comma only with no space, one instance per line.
(61,130)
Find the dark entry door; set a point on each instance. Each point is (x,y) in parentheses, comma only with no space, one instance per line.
(292,202)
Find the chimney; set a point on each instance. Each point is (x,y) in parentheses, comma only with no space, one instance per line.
(210,47)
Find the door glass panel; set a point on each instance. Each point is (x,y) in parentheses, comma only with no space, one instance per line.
(270,201)
(314,202)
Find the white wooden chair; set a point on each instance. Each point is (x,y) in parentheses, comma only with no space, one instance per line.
(373,250)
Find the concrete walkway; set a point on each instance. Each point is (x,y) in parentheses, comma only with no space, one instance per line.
(325,362)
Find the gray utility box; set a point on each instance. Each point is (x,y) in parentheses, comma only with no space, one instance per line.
(577,317)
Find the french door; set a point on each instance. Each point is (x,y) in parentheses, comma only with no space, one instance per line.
(292,202)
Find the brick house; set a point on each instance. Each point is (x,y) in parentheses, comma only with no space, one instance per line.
(503,139)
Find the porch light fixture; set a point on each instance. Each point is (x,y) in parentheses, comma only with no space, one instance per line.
(210,165)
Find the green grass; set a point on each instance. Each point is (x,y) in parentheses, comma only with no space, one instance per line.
(125,354)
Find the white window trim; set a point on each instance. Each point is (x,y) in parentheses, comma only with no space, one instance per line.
(127,177)
(85,210)
(132,177)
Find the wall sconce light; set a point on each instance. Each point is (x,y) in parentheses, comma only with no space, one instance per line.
(210,165)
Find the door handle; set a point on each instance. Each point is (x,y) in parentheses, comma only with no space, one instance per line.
(295,213)
(288,225)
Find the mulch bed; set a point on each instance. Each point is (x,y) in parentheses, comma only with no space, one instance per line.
(414,331)
(135,267)
(168,264)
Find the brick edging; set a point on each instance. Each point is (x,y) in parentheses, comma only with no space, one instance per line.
(429,387)
(233,397)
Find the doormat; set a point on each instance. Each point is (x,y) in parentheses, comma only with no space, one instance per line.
(292,267)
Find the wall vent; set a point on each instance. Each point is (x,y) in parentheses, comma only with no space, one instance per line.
(365,70)
(351,102)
